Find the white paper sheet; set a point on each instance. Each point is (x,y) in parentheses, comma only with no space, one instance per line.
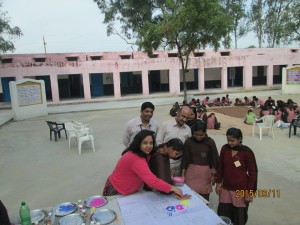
(152,208)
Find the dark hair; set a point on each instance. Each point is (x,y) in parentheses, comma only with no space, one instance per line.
(135,145)
(235,133)
(194,111)
(212,114)
(200,125)
(146,105)
(176,144)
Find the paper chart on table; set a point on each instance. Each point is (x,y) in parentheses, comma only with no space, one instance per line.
(152,208)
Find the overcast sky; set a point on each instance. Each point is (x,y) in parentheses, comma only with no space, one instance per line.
(68,26)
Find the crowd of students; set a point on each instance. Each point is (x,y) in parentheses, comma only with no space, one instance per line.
(284,112)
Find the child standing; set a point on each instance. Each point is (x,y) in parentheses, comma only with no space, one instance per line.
(236,172)
(199,161)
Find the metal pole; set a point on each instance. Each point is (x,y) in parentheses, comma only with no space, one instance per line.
(44,45)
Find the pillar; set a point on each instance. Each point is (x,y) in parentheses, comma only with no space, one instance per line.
(174,80)
(54,87)
(117,84)
(224,84)
(86,86)
(247,76)
(270,75)
(145,82)
(201,79)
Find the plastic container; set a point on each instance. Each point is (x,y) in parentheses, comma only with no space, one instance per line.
(178,181)
(25,214)
(226,220)
(48,219)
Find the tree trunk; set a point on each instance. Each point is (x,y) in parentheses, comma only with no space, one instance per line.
(183,78)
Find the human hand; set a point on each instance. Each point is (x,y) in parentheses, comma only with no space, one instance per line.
(177,191)
(213,179)
(248,198)
(183,197)
(218,189)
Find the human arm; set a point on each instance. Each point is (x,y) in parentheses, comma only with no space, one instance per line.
(220,168)
(160,134)
(218,188)
(160,167)
(126,135)
(185,161)
(142,170)
(214,157)
(252,174)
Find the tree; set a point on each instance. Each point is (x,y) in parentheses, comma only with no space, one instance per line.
(277,15)
(257,20)
(7,33)
(236,9)
(293,24)
(183,25)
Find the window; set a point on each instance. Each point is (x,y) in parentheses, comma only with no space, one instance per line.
(225,53)
(125,56)
(72,58)
(153,56)
(294,50)
(39,59)
(94,58)
(7,60)
(199,54)
(170,55)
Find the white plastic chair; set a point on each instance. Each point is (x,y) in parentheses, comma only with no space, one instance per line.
(84,135)
(70,127)
(267,123)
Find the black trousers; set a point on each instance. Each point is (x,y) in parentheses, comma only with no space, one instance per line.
(238,216)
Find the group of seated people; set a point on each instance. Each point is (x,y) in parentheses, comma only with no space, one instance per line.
(284,112)
(201,105)
(198,113)
(223,101)
(254,102)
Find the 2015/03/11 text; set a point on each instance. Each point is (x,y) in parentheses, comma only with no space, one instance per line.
(259,193)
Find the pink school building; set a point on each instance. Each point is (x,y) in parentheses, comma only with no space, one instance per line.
(118,74)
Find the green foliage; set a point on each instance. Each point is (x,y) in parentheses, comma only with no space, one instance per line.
(275,22)
(183,25)
(293,23)
(256,20)
(236,9)
(7,33)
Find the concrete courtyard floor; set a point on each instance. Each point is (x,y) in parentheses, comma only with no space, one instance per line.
(45,173)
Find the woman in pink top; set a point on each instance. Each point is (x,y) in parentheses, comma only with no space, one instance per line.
(277,114)
(205,102)
(212,122)
(290,114)
(260,102)
(132,170)
(264,111)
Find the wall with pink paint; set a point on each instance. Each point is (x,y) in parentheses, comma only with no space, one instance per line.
(211,65)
